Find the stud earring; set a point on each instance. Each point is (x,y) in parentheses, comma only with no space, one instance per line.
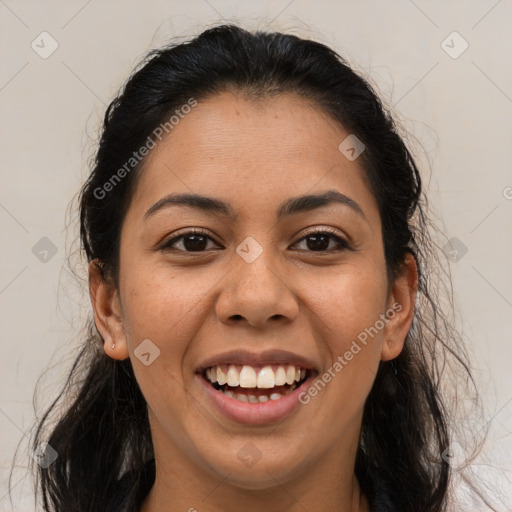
(113,346)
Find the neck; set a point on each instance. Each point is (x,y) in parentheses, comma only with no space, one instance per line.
(329,484)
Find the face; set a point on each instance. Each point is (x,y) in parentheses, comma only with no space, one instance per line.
(271,281)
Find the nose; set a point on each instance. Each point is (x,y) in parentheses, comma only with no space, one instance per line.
(256,293)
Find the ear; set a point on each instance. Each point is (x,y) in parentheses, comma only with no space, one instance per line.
(107,312)
(400,312)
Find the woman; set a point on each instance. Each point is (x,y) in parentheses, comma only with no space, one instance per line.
(265,333)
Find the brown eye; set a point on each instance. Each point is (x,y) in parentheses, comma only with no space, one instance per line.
(192,241)
(322,240)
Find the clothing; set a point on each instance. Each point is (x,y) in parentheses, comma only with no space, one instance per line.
(128,498)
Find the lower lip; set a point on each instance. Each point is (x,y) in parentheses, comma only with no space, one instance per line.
(254,414)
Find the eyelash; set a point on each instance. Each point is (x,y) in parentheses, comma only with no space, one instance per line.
(342,243)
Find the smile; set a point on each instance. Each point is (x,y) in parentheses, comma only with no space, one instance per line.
(255,388)
(254,385)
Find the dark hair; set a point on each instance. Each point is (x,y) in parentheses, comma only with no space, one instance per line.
(103,433)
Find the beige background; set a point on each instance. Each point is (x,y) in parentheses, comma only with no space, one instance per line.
(459,109)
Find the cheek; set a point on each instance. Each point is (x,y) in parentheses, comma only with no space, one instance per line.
(346,310)
(347,301)
(168,308)
(159,306)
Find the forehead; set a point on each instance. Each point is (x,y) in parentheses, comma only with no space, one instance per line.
(255,152)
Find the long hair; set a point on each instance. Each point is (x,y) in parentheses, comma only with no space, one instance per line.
(98,424)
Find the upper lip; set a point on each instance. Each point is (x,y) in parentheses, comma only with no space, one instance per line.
(268,357)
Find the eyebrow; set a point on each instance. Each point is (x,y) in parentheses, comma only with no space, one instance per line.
(291,206)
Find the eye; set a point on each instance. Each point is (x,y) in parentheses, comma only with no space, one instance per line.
(195,240)
(320,241)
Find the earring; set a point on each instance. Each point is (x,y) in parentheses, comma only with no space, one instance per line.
(113,346)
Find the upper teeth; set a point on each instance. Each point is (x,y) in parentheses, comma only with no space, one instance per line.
(250,377)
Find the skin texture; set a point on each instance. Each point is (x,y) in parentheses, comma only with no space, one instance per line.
(194,305)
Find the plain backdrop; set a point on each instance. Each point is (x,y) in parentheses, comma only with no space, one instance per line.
(442,67)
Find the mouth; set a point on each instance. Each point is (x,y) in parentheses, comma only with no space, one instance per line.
(256,389)
(256,384)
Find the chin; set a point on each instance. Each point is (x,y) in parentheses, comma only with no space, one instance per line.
(257,474)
